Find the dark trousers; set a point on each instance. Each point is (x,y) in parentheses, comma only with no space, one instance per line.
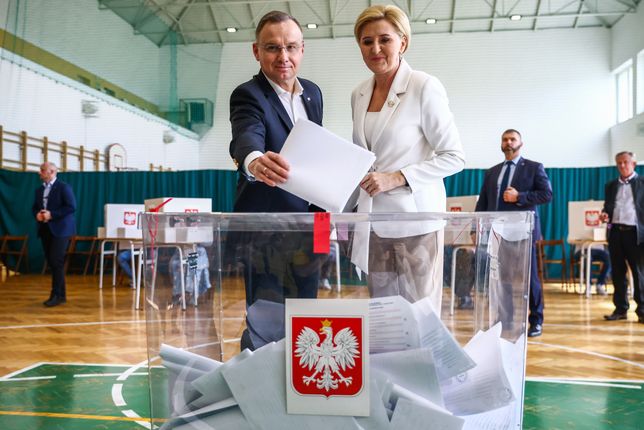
(510,275)
(55,249)
(623,248)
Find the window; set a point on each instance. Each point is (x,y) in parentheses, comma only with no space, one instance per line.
(624,91)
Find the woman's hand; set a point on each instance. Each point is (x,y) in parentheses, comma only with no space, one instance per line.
(375,182)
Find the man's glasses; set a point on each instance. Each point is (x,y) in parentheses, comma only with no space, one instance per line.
(291,48)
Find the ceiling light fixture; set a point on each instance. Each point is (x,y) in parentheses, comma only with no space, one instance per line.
(515,17)
(231,29)
(312,26)
(430,21)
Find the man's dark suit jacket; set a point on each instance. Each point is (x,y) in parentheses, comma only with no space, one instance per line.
(638,196)
(260,123)
(62,205)
(529,179)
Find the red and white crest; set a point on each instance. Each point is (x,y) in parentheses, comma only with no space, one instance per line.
(327,356)
(591,218)
(129,218)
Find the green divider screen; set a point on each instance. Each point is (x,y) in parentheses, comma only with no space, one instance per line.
(95,189)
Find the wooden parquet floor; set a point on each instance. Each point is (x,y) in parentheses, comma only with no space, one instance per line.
(102,326)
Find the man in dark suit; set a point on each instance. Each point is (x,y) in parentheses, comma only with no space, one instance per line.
(262,113)
(519,184)
(54,207)
(624,211)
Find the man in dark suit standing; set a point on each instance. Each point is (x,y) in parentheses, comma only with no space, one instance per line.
(624,211)
(262,113)
(54,207)
(519,184)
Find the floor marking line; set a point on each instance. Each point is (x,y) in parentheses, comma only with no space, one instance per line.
(608,381)
(68,416)
(27,378)
(594,384)
(583,351)
(92,323)
(110,375)
(117,395)
(23,370)
(133,415)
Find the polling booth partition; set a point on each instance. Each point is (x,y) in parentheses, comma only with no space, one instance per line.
(259,346)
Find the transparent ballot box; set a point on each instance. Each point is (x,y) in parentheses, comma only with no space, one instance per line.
(352,321)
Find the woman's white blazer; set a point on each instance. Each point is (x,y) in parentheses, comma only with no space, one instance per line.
(416,134)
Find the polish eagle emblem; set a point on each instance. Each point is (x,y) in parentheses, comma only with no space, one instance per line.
(330,358)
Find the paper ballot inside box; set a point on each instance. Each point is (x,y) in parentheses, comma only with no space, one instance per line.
(324,168)
(121,220)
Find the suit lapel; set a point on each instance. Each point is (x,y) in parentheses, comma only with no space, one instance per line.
(274,100)
(398,86)
(360,111)
(519,169)
(311,108)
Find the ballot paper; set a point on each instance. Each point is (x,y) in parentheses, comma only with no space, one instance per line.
(327,361)
(486,386)
(396,324)
(257,384)
(412,415)
(413,369)
(324,168)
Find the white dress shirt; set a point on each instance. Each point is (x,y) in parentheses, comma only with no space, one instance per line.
(624,212)
(292,102)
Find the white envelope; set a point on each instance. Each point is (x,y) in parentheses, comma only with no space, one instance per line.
(325,169)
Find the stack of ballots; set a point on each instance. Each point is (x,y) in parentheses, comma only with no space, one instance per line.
(420,377)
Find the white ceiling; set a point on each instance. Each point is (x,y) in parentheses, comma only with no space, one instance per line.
(206,21)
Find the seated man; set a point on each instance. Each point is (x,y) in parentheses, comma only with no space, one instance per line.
(598,254)
(124,259)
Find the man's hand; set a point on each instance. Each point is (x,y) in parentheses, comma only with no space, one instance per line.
(43,216)
(271,168)
(603,217)
(375,183)
(510,195)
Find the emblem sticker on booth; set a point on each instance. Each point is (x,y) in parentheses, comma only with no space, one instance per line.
(129,218)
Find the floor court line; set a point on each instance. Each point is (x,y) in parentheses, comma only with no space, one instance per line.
(583,351)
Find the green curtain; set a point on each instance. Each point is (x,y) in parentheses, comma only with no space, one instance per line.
(94,189)
(568,184)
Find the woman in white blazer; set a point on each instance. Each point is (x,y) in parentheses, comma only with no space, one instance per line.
(402,115)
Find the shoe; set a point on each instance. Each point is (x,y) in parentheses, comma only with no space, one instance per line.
(601,289)
(324,284)
(640,319)
(465,302)
(55,301)
(535,330)
(615,316)
(51,296)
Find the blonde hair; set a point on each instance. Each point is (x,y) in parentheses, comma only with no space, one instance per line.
(394,16)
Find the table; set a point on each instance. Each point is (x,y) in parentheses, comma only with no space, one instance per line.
(585,262)
(136,248)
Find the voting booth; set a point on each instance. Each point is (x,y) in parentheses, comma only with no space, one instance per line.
(121,221)
(264,348)
(584,222)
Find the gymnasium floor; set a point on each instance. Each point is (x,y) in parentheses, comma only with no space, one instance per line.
(83,365)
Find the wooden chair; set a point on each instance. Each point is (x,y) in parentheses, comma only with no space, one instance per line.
(547,251)
(81,247)
(14,249)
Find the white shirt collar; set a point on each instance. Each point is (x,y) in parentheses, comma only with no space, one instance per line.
(50,182)
(281,91)
(629,179)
